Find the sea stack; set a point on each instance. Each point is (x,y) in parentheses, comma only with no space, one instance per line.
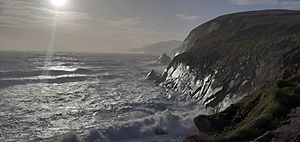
(163,59)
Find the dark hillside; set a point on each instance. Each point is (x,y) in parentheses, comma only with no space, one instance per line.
(246,66)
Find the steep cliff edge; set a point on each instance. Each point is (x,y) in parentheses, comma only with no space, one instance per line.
(232,56)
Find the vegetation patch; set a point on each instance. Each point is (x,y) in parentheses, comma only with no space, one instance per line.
(258,113)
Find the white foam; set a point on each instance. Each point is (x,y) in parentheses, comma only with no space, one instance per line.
(118,102)
(163,126)
(60,68)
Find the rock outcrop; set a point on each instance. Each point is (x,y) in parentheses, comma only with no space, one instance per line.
(230,57)
(246,66)
(289,131)
(163,59)
(264,110)
(152,75)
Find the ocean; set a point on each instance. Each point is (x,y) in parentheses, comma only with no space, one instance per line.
(103,97)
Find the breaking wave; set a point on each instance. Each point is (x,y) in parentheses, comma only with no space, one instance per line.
(89,97)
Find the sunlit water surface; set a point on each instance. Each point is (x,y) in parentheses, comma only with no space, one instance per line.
(80,93)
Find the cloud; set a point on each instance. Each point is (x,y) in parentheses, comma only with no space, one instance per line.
(285,3)
(182,16)
(34,16)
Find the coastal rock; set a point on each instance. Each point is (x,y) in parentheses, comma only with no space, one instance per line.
(163,59)
(267,137)
(95,136)
(208,124)
(288,132)
(256,116)
(70,137)
(218,122)
(229,57)
(153,75)
(246,67)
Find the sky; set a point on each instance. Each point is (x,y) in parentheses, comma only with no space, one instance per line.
(112,25)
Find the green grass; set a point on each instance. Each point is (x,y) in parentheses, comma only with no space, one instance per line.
(270,109)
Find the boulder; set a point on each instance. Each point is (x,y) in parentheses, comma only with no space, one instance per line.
(70,137)
(95,136)
(208,124)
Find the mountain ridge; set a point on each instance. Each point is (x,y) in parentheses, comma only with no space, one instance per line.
(159,48)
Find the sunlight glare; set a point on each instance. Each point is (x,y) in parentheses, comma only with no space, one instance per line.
(58,3)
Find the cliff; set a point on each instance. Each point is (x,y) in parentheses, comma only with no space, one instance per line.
(237,64)
(163,59)
(231,56)
(267,110)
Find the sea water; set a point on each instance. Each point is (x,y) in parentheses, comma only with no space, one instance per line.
(103,97)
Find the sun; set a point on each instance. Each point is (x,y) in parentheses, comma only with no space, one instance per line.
(58,3)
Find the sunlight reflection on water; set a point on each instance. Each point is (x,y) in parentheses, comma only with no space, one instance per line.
(112,96)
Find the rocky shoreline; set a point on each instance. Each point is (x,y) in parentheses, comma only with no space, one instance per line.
(246,67)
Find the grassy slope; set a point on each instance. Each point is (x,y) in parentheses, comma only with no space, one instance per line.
(268,108)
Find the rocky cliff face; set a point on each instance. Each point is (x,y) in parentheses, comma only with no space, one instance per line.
(163,59)
(267,115)
(234,55)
